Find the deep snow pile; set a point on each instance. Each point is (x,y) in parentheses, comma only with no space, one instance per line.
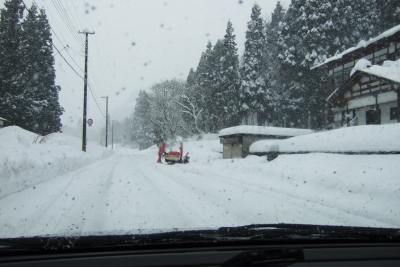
(27,158)
(357,139)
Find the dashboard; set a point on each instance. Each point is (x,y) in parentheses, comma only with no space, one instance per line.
(339,254)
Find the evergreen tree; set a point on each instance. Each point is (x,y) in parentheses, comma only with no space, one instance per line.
(190,103)
(28,95)
(364,20)
(309,36)
(229,85)
(253,87)
(40,73)
(191,79)
(15,105)
(214,94)
(216,84)
(203,87)
(141,127)
(390,14)
(277,97)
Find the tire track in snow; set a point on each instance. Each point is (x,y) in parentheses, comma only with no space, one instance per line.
(324,211)
(56,205)
(36,202)
(228,200)
(174,204)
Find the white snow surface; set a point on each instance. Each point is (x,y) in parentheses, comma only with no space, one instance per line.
(100,192)
(365,138)
(261,130)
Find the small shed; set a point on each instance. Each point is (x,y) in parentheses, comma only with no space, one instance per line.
(2,122)
(236,140)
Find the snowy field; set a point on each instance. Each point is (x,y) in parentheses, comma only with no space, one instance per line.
(48,186)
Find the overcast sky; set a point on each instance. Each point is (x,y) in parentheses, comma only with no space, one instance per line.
(136,43)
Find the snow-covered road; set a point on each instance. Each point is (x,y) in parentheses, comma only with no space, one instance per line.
(126,193)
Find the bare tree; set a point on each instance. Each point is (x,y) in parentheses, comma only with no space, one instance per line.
(166,113)
(189,107)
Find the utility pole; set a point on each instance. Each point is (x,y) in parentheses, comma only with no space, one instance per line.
(86,32)
(112,135)
(106,97)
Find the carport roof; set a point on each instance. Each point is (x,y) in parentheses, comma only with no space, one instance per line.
(261,130)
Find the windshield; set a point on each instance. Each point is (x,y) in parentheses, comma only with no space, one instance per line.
(131,117)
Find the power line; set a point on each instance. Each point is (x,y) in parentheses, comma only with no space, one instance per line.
(70,23)
(92,91)
(95,100)
(59,52)
(77,16)
(99,58)
(97,50)
(66,19)
(67,61)
(74,60)
(49,11)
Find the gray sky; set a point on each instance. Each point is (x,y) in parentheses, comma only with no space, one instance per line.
(136,43)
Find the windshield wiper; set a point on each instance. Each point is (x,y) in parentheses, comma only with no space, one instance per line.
(223,235)
(58,243)
(304,231)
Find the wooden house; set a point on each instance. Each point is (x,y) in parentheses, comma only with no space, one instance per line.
(236,140)
(364,81)
(369,96)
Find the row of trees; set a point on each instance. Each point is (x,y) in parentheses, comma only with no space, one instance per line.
(28,94)
(273,83)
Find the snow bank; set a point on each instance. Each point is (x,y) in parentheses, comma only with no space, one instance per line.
(265,146)
(204,151)
(27,159)
(260,130)
(358,139)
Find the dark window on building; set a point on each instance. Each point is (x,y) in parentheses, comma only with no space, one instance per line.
(394,113)
(373,116)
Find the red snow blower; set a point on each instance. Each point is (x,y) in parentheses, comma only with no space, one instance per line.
(172,157)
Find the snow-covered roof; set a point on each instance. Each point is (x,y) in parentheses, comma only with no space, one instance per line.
(366,138)
(361,65)
(261,130)
(361,44)
(389,70)
(2,119)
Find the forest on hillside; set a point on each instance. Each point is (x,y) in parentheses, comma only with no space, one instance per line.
(272,83)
